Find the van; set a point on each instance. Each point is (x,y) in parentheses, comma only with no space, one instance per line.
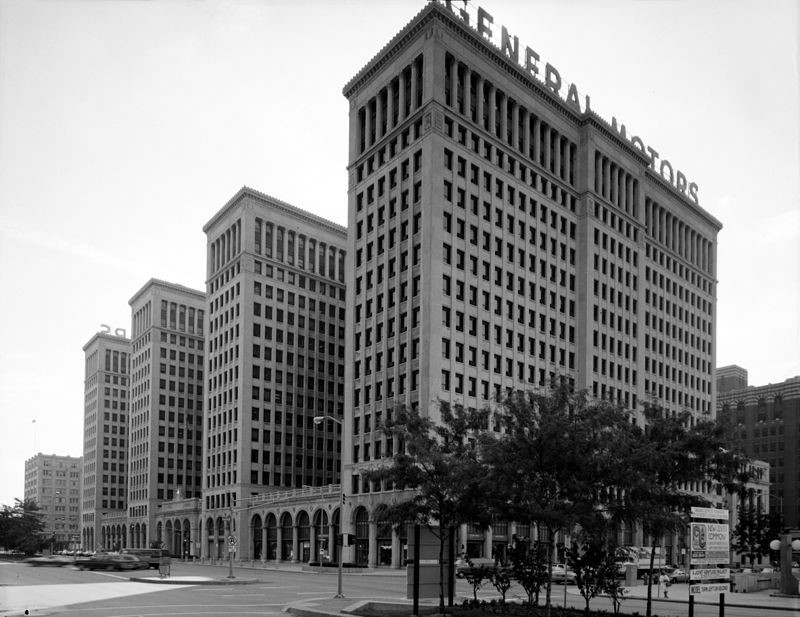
(151,555)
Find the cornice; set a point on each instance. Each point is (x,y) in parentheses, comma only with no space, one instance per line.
(200,295)
(277,204)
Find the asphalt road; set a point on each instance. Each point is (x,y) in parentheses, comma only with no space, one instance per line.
(70,592)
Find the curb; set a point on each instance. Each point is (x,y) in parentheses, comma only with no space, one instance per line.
(213,581)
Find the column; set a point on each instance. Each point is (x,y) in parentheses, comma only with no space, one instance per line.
(479,93)
(467,93)
(333,549)
(614,192)
(515,125)
(367,125)
(629,199)
(192,539)
(503,118)
(598,174)
(557,155)
(526,132)
(401,101)
(414,86)
(396,548)
(378,117)
(492,102)
(547,143)
(390,106)
(454,84)
(372,560)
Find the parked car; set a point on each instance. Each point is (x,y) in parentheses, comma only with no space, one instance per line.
(50,560)
(113,561)
(561,574)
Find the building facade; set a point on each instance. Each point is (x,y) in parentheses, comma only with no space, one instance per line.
(105,447)
(166,416)
(501,238)
(275,361)
(766,424)
(500,235)
(54,483)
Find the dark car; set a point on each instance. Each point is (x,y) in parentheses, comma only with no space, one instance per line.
(112,561)
(51,560)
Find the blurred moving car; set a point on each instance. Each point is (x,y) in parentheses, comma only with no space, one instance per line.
(50,560)
(151,555)
(113,561)
(464,566)
(675,575)
(561,574)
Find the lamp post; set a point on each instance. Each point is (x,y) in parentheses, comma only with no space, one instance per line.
(339,594)
(786,544)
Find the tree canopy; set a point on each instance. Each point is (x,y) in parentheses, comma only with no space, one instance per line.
(21,527)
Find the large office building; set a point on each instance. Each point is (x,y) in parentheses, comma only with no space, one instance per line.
(105,425)
(54,483)
(501,235)
(766,423)
(166,408)
(275,361)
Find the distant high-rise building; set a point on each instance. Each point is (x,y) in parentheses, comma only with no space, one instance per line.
(105,447)
(275,347)
(54,483)
(730,378)
(766,423)
(165,440)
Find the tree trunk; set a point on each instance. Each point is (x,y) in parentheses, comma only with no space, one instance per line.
(442,537)
(549,570)
(650,578)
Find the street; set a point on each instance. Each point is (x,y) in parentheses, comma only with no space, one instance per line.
(70,592)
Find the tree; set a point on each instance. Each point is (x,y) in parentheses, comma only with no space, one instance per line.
(754,530)
(21,527)
(438,461)
(595,563)
(557,463)
(674,452)
(529,566)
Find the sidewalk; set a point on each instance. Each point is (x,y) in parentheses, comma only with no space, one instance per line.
(678,594)
(767,598)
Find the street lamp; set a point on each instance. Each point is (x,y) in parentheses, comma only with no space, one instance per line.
(339,594)
(786,545)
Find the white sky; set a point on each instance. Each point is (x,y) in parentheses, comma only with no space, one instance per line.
(125,125)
